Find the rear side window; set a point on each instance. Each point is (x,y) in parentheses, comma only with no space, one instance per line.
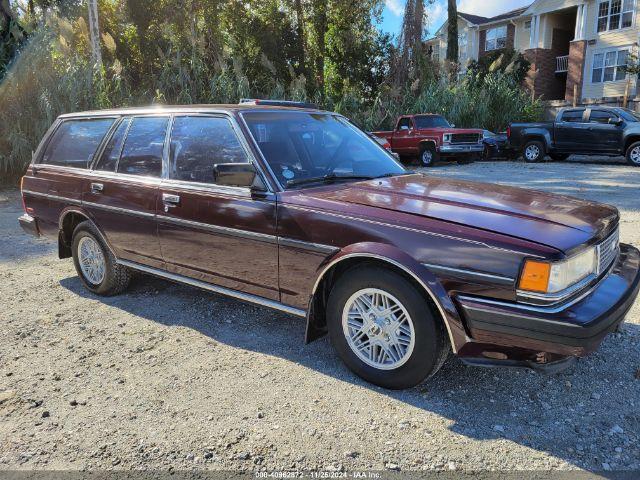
(198,143)
(111,153)
(74,142)
(142,151)
(572,116)
(404,122)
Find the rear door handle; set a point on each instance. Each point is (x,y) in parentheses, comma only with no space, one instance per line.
(97,188)
(170,200)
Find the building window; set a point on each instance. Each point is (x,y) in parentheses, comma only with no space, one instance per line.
(609,66)
(615,14)
(462,46)
(496,38)
(436,54)
(527,25)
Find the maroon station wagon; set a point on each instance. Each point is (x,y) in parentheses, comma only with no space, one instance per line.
(298,210)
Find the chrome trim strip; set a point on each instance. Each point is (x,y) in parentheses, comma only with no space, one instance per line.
(471,273)
(554,298)
(215,288)
(142,179)
(126,211)
(554,308)
(219,229)
(226,191)
(318,247)
(409,229)
(53,197)
(401,267)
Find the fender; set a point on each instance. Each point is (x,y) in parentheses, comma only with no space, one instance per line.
(80,211)
(401,260)
(537,133)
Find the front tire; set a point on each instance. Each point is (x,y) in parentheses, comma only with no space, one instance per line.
(95,264)
(533,151)
(429,156)
(384,329)
(633,154)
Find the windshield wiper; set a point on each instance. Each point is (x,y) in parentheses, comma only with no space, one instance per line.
(328,178)
(397,174)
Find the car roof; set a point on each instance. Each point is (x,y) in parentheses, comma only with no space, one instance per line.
(199,108)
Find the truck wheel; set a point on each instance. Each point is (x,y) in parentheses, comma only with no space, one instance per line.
(383,328)
(533,151)
(95,264)
(559,157)
(429,156)
(633,154)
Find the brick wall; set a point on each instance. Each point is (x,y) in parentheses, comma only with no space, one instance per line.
(575,74)
(542,78)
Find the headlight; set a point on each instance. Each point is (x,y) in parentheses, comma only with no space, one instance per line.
(446,138)
(546,277)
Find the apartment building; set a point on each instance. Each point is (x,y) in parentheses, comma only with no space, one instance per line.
(579,46)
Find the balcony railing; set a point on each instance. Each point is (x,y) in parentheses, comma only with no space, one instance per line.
(562,64)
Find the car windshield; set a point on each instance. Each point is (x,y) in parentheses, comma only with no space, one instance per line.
(431,121)
(303,148)
(629,115)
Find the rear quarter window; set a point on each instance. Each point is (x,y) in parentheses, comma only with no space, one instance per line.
(74,142)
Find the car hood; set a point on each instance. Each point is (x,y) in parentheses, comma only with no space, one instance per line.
(557,221)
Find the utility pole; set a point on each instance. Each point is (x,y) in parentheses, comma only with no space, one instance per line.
(94,31)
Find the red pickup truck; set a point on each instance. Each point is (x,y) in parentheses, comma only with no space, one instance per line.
(431,137)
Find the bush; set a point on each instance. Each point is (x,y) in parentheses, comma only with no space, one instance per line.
(52,75)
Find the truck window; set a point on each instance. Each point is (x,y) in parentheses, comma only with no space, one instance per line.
(431,121)
(601,116)
(405,122)
(75,142)
(198,143)
(142,152)
(572,116)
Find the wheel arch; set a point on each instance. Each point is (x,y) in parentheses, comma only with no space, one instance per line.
(630,140)
(388,257)
(69,219)
(539,136)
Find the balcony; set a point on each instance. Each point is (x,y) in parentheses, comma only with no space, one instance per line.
(562,64)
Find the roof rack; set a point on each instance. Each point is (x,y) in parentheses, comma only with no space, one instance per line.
(277,103)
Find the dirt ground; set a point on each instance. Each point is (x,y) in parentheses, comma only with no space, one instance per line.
(166,376)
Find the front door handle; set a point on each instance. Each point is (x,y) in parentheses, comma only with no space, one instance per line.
(97,187)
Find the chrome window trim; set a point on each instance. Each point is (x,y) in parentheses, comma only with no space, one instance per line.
(401,267)
(471,273)
(215,288)
(241,139)
(408,229)
(125,176)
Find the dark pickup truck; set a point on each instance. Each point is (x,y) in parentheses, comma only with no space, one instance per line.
(608,131)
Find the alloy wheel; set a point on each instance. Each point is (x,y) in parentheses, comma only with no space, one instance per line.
(635,155)
(427,157)
(92,261)
(378,328)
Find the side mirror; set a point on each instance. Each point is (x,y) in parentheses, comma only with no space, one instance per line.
(236,175)
(615,121)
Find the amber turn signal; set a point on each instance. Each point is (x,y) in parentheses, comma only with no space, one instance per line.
(535,276)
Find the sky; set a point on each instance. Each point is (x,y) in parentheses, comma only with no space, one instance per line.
(437,12)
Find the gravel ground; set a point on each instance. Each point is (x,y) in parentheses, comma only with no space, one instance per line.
(169,377)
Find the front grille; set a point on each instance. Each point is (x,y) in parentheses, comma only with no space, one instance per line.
(465,138)
(608,251)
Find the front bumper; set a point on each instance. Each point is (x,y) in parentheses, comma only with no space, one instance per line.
(574,328)
(29,225)
(463,148)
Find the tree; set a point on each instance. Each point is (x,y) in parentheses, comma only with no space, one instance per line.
(452,32)
(410,42)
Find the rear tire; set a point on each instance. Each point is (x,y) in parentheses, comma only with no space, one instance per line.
(95,264)
(533,151)
(429,156)
(633,154)
(397,350)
